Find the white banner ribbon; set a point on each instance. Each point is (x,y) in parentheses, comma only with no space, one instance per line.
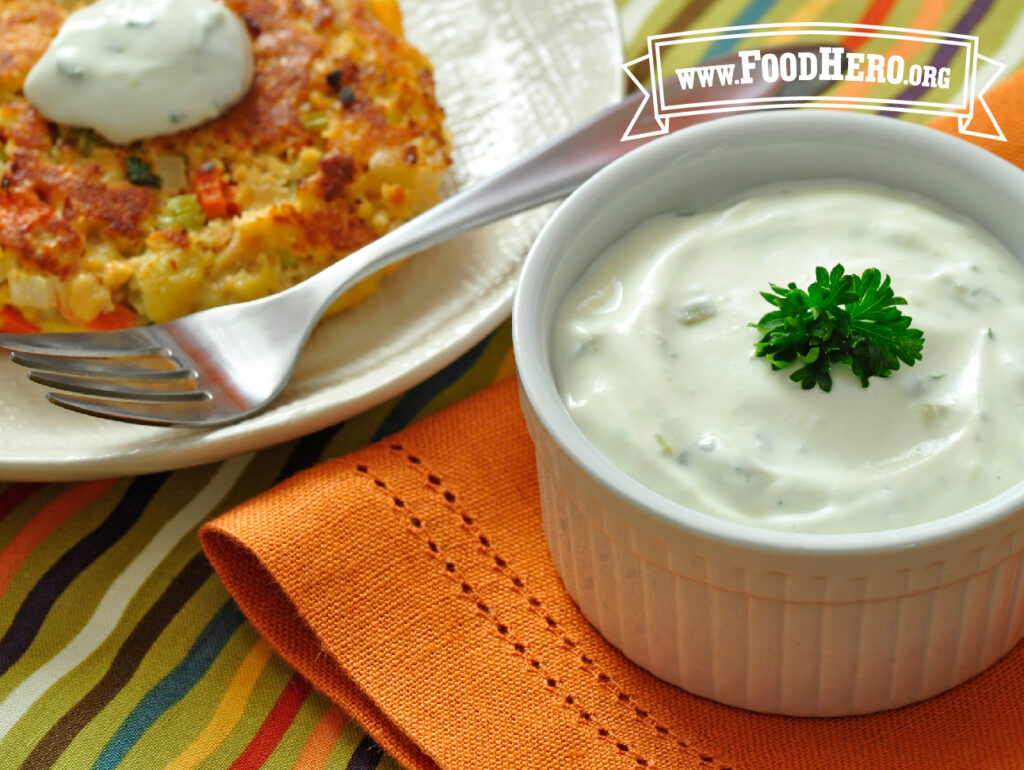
(948,81)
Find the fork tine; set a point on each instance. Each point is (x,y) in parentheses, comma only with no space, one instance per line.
(113,390)
(101,368)
(130,342)
(189,414)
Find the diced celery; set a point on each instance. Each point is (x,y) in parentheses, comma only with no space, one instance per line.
(314,121)
(181,211)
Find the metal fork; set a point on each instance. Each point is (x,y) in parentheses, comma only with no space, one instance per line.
(222,365)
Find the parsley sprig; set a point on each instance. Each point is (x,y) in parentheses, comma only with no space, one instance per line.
(841,319)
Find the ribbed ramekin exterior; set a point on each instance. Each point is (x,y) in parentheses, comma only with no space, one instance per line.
(800,634)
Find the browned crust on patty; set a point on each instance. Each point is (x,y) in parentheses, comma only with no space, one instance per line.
(26,29)
(74,200)
(284,47)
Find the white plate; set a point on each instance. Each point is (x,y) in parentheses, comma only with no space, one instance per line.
(510,74)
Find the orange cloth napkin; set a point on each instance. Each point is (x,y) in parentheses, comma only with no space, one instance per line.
(411,583)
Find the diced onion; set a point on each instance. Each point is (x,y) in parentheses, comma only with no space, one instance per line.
(171,170)
(33,290)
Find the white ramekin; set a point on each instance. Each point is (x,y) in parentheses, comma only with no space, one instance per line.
(780,622)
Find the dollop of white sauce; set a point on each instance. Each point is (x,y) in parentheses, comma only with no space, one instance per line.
(654,358)
(133,69)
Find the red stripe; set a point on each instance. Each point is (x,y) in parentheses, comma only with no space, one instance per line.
(874,15)
(14,496)
(274,726)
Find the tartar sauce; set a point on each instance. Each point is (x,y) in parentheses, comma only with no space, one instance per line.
(654,358)
(133,69)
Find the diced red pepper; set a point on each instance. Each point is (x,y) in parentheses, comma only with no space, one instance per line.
(118,318)
(215,196)
(13,322)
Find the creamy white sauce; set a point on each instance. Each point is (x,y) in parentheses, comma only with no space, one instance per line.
(654,359)
(133,69)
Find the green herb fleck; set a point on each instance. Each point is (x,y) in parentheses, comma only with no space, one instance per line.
(841,319)
(139,172)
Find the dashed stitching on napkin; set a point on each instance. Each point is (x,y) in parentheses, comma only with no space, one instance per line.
(535,606)
(416,527)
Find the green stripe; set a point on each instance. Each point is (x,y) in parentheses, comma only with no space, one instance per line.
(172,687)
(181,723)
(751,14)
(997,25)
(991,31)
(388,763)
(264,466)
(48,552)
(77,603)
(662,19)
(73,605)
(168,650)
(721,15)
(350,739)
(124,665)
(71,688)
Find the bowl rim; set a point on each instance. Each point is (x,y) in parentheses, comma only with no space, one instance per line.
(538,387)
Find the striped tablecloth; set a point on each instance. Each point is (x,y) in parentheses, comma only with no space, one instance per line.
(119,647)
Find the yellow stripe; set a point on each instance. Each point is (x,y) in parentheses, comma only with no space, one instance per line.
(809,11)
(229,709)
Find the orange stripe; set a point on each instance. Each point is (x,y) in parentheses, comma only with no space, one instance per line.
(928,16)
(320,744)
(874,15)
(42,525)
